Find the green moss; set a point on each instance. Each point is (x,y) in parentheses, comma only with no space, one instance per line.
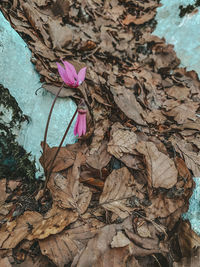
(14,161)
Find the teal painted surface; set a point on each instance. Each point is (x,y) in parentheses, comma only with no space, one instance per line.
(17,74)
(184,34)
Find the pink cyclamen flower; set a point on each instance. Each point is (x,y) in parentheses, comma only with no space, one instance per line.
(69,74)
(80,125)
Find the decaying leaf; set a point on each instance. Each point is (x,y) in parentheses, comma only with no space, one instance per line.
(191,158)
(98,159)
(126,101)
(61,36)
(63,247)
(32,225)
(123,141)
(68,192)
(64,159)
(119,188)
(120,240)
(160,168)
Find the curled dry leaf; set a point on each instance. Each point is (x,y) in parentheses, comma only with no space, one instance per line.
(188,239)
(122,145)
(32,225)
(90,255)
(68,192)
(123,141)
(61,36)
(119,188)
(35,20)
(126,101)
(191,158)
(64,159)
(184,113)
(161,169)
(162,206)
(120,240)
(63,247)
(98,159)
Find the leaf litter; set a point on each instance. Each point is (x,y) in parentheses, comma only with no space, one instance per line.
(115,198)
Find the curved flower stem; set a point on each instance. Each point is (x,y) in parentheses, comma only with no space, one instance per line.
(57,151)
(47,126)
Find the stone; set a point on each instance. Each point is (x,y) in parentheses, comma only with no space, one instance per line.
(22,80)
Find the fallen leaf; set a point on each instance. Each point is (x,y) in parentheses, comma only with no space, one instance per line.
(61,36)
(68,192)
(119,188)
(120,240)
(126,101)
(64,159)
(98,159)
(63,247)
(32,225)
(191,158)
(160,168)
(123,141)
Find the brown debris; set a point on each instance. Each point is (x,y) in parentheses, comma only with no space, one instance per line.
(115,198)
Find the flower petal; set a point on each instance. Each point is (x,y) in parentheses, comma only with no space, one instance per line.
(71,71)
(76,125)
(63,75)
(81,75)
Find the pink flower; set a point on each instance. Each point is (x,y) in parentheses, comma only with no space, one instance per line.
(69,74)
(80,125)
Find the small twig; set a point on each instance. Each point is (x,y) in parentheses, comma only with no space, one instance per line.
(47,126)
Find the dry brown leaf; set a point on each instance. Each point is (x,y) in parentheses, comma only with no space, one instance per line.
(119,188)
(192,159)
(68,192)
(66,92)
(61,36)
(32,225)
(140,19)
(63,247)
(35,20)
(98,159)
(126,101)
(191,261)
(61,7)
(64,159)
(155,117)
(162,206)
(178,92)
(90,256)
(3,194)
(164,57)
(185,112)
(160,168)
(188,239)
(123,141)
(120,240)
(122,145)
(4,262)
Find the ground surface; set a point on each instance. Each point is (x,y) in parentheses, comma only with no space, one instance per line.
(116,197)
